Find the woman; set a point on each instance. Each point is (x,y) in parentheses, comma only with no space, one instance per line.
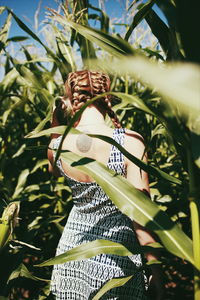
(93,215)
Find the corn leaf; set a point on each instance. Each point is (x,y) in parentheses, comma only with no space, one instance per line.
(140,15)
(88,250)
(175,82)
(112,44)
(148,168)
(4,32)
(21,183)
(135,204)
(112,283)
(22,271)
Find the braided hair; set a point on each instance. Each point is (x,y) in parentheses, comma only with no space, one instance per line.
(82,86)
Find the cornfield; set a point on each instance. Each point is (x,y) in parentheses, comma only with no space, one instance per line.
(155,80)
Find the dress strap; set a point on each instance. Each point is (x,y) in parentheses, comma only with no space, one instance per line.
(56,143)
(118,136)
(116,158)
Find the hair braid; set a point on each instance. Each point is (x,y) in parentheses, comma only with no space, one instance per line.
(82,86)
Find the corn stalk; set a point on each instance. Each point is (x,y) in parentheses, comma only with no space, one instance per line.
(195,222)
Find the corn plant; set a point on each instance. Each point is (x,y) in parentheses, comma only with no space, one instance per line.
(152,98)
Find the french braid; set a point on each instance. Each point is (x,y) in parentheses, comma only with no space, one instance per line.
(82,86)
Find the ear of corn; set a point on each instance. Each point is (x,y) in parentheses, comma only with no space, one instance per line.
(8,221)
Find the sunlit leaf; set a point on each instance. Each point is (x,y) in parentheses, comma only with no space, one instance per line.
(39,164)
(65,50)
(140,15)
(110,43)
(135,101)
(8,80)
(35,37)
(4,32)
(112,283)
(2,8)
(25,244)
(88,250)
(21,183)
(19,101)
(148,168)
(135,204)
(20,151)
(175,82)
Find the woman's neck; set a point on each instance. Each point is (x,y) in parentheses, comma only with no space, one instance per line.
(91,116)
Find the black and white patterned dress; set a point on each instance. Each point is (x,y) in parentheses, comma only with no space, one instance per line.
(92,217)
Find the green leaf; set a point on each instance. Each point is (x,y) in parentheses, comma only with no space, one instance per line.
(153,262)
(35,37)
(17,39)
(140,15)
(22,271)
(104,19)
(21,183)
(166,37)
(41,125)
(112,44)
(19,102)
(135,204)
(57,129)
(2,8)
(25,244)
(88,250)
(65,50)
(38,60)
(71,124)
(19,151)
(8,80)
(28,76)
(26,29)
(148,168)
(175,82)
(33,81)
(87,49)
(39,164)
(112,283)
(134,100)
(5,233)
(4,32)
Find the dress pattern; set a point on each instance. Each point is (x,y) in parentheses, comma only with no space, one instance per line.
(92,217)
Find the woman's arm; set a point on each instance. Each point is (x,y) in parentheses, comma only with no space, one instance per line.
(139,178)
(61,115)
(135,145)
(55,123)
(51,168)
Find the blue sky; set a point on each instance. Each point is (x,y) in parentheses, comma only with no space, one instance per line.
(25,10)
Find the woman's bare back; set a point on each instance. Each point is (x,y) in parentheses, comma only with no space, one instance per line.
(94,148)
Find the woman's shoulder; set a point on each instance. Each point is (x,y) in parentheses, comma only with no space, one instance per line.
(134,143)
(134,136)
